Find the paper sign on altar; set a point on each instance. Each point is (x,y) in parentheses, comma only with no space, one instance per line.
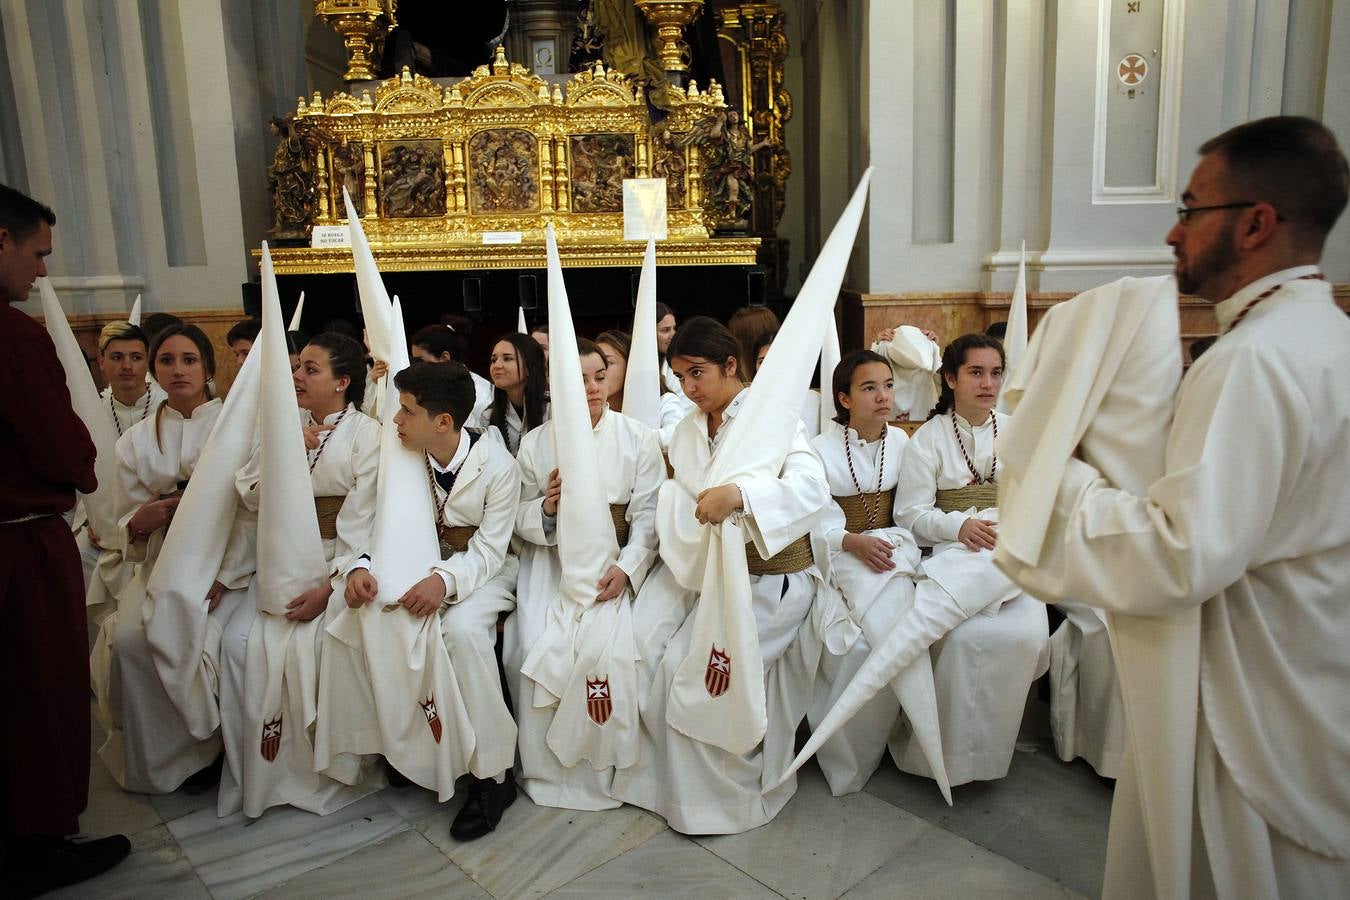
(502,237)
(644,209)
(330,236)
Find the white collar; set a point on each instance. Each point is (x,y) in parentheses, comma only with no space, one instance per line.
(857,440)
(456,461)
(1227,310)
(961,421)
(332,418)
(196,413)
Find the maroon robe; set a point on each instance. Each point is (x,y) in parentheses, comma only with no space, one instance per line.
(46,455)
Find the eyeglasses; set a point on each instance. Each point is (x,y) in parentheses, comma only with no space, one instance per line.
(1185,212)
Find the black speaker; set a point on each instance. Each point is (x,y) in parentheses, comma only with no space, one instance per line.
(472,289)
(634,277)
(756,283)
(527,289)
(252,298)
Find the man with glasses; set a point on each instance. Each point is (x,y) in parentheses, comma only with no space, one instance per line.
(1249,523)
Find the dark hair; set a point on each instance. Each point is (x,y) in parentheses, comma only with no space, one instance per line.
(617,339)
(154,323)
(662,311)
(841,382)
(752,358)
(1201,344)
(1291,162)
(439,339)
(345,357)
(244,330)
(438,388)
(21,215)
(530,358)
(295,342)
(120,331)
(708,339)
(587,347)
(953,358)
(342,327)
(539,328)
(749,324)
(208,354)
(997,330)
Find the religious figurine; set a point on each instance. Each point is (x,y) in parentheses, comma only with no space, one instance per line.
(290,179)
(349,169)
(412,180)
(726,147)
(668,162)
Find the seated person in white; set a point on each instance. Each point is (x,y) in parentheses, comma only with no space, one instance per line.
(628,464)
(991,639)
(519,373)
(149,748)
(270,752)
(700,788)
(475,487)
(873,561)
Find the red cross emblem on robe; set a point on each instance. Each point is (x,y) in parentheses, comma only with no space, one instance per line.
(718,677)
(598,702)
(433,721)
(271,739)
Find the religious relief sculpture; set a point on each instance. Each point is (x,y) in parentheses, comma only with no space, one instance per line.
(290,179)
(600,163)
(728,189)
(504,163)
(349,171)
(412,179)
(668,162)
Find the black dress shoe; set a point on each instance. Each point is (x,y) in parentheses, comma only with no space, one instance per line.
(483,810)
(396,778)
(35,865)
(202,781)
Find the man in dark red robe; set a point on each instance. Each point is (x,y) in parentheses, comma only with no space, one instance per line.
(46,455)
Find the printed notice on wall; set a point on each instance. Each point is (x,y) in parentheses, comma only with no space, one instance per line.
(644,209)
(331,236)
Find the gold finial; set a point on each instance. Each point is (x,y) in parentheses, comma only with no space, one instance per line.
(557,95)
(405,76)
(300,107)
(499,64)
(715,90)
(366,102)
(692,92)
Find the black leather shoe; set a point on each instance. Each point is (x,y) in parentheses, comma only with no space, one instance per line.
(202,781)
(483,809)
(35,865)
(396,778)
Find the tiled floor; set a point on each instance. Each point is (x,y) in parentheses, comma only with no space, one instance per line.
(1039,833)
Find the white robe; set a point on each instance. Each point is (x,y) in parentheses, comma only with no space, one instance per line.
(874,599)
(380,665)
(631,470)
(1248,524)
(699,788)
(984,666)
(149,748)
(515,426)
(674,407)
(482,399)
(258,651)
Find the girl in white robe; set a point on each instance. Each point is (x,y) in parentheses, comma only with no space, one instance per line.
(630,467)
(873,561)
(149,748)
(520,388)
(270,752)
(993,638)
(697,787)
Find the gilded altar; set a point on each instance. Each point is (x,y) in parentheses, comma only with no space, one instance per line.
(439,173)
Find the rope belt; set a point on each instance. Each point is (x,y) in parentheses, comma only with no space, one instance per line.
(795,557)
(327,508)
(619,513)
(855,507)
(979,496)
(455,538)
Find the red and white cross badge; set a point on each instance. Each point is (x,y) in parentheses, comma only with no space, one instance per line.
(718,677)
(598,702)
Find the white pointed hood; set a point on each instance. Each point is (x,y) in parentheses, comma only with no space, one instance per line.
(134,317)
(520,321)
(298,314)
(642,382)
(403,544)
(829,360)
(1015,340)
(374,297)
(89,406)
(290,552)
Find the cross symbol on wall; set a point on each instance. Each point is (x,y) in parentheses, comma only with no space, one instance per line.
(1132,69)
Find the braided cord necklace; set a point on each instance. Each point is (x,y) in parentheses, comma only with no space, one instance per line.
(324,438)
(977,478)
(113,409)
(1237,320)
(871,508)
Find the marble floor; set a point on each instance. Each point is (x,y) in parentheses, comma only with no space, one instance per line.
(1039,833)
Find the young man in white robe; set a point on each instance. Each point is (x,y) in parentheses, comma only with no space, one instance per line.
(630,469)
(476,489)
(1244,540)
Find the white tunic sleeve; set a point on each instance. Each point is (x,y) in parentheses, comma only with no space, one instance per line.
(916,492)
(487,548)
(784,508)
(536,461)
(356,518)
(636,557)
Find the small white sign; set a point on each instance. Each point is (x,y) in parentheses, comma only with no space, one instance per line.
(644,209)
(501,237)
(331,236)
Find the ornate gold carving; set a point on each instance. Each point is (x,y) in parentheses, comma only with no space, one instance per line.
(505,167)
(363,25)
(671,17)
(412,179)
(600,163)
